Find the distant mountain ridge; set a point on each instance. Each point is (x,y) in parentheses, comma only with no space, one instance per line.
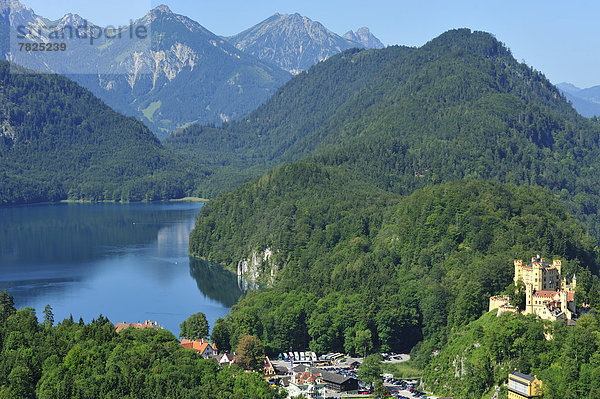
(359,94)
(295,42)
(365,37)
(585,101)
(185,74)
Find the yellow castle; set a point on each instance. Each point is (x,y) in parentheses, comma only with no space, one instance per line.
(545,294)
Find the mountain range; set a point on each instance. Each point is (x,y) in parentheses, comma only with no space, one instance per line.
(182,73)
(585,101)
(296,43)
(410,104)
(402,118)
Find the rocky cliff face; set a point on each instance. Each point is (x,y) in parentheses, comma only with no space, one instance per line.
(292,41)
(15,13)
(260,266)
(364,37)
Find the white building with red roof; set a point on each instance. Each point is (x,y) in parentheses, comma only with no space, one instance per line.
(308,384)
(203,347)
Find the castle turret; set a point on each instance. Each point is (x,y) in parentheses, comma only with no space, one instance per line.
(558,265)
(569,284)
(528,298)
(518,264)
(563,302)
(537,273)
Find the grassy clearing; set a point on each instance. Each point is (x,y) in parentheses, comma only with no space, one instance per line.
(151,109)
(404,370)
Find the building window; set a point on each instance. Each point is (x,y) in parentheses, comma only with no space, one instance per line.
(518,386)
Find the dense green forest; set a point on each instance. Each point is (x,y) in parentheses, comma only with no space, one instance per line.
(479,357)
(458,107)
(78,360)
(300,107)
(58,141)
(352,258)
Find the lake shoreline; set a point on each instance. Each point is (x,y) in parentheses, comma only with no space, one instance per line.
(128,262)
(82,201)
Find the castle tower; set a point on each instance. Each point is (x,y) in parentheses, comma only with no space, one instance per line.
(528,298)
(537,273)
(565,283)
(563,302)
(518,264)
(569,284)
(557,263)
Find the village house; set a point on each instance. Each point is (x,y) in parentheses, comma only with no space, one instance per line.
(205,348)
(268,368)
(333,381)
(226,359)
(308,384)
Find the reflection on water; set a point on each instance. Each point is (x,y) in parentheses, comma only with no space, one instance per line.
(126,261)
(72,233)
(216,282)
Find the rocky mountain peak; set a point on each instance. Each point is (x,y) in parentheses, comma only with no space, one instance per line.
(73,20)
(15,13)
(163,9)
(154,14)
(11,5)
(364,37)
(292,41)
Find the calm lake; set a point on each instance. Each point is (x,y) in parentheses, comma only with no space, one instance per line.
(126,261)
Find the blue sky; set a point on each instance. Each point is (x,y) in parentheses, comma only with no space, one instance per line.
(559,38)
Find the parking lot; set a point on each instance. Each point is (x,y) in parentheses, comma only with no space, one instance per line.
(407,389)
(403,389)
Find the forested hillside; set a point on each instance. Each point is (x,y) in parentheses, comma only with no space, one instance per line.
(58,141)
(243,149)
(78,360)
(353,259)
(351,255)
(459,107)
(479,357)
